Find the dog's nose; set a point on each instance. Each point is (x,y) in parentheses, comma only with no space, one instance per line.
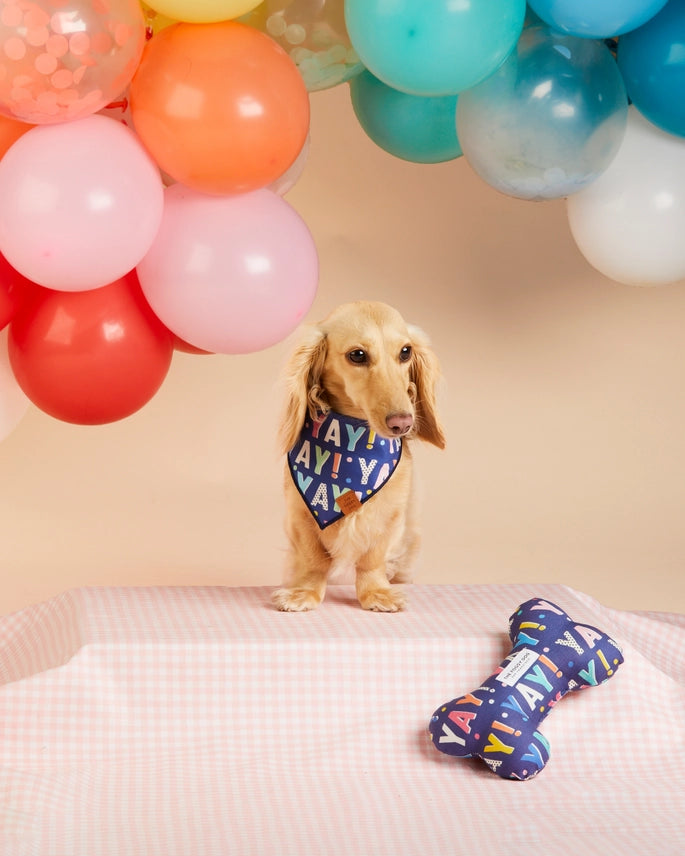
(399,423)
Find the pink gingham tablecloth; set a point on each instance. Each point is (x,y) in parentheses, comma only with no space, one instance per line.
(202,722)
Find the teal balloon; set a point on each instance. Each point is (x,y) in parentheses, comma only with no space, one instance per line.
(433,47)
(595,19)
(417,128)
(652,62)
(549,121)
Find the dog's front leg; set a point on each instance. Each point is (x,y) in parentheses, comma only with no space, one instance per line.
(373,588)
(309,567)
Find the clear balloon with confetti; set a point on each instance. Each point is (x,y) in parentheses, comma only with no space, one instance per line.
(65,59)
(314,34)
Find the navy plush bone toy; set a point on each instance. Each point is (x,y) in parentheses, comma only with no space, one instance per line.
(498,722)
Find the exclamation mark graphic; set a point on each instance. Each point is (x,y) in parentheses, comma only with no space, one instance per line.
(337,457)
(601,656)
(550,665)
(500,726)
(372,437)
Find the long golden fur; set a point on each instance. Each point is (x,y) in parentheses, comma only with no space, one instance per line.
(356,362)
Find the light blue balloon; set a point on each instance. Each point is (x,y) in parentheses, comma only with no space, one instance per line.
(596,19)
(417,128)
(433,47)
(549,121)
(652,62)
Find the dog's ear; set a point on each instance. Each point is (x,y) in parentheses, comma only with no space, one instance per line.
(303,393)
(425,373)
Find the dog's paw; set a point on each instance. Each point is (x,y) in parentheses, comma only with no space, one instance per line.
(384,600)
(295,599)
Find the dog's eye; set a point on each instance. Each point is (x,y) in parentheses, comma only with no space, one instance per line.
(358,356)
(405,354)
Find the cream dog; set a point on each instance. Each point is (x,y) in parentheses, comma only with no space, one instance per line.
(359,388)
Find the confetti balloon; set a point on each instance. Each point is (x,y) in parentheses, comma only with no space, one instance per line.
(314,35)
(549,121)
(65,59)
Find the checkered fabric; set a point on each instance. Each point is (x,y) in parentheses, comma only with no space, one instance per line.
(179,721)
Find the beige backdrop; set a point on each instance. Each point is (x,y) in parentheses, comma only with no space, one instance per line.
(563,400)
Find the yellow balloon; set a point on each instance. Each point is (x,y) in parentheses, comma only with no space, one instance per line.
(203,11)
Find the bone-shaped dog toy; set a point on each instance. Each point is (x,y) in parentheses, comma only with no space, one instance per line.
(498,722)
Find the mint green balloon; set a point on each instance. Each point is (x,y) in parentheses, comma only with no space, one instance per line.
(417,128)
(433,47)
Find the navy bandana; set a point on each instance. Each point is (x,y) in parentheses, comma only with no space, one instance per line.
(338,463)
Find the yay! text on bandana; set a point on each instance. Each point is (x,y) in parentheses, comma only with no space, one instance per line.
(338,463)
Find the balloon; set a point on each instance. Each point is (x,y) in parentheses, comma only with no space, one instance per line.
(7,305)
(314,35)
(203,11)
(80,203)
(630,223)
(230,274)
(89,357)
(595,19)
(119,109)
(154,20)
(418,128)
(652,62)
(10,131)
(11,285)
(13,402)
(220,107)
(549,121)
(285,183)
(438,48)
(65,60)
(185,348)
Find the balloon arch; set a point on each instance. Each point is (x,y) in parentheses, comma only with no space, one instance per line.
(146,149)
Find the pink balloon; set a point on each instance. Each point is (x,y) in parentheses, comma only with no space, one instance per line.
(80,203)
(230,274)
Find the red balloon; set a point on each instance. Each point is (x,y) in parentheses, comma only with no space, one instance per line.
(6,305)
(89,357)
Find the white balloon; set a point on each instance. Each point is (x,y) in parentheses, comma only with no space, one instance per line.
(630,223)
(13,402)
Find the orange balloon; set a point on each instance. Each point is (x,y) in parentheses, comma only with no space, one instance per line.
(220,107)
(10,131)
